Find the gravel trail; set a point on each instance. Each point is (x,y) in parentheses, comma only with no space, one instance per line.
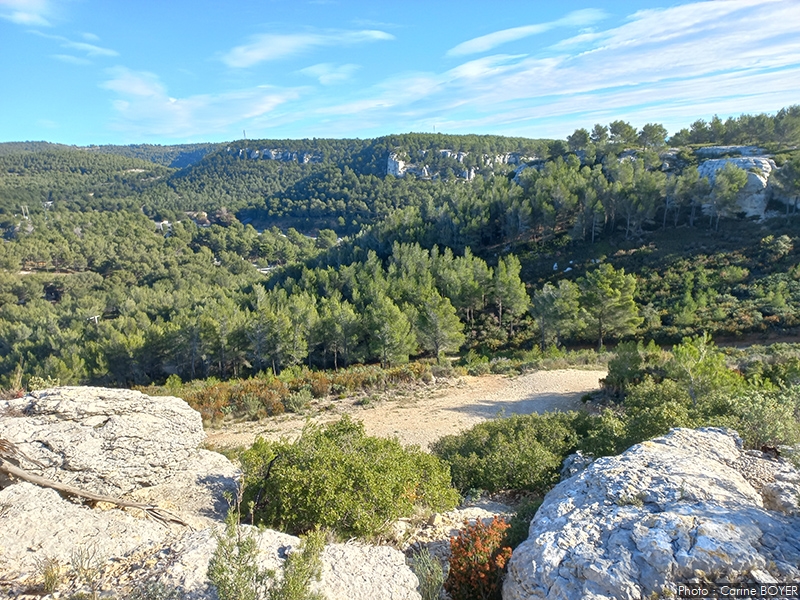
(423,415)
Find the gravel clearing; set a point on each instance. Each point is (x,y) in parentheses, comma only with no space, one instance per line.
(423,415)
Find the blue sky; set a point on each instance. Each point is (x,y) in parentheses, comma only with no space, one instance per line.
(173,71)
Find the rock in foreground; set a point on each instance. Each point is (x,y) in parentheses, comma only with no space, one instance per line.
(682,506)
(142,449)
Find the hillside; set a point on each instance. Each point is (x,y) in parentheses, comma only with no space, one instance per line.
(268,254)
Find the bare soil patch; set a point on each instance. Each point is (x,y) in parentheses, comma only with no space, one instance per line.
(424,414)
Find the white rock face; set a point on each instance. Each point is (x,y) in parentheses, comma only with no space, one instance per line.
(349,571)
(631,527)
(717,151)
(144,449)
(106,441)
(395,166)
(753,197)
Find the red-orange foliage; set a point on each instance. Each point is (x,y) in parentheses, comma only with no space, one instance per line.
(477,561)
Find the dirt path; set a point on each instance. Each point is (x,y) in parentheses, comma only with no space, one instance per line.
(424,415)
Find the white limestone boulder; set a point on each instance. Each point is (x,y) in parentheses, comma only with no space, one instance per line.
(667,510)
(753,196)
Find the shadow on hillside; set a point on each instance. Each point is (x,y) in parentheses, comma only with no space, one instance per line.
(535,403)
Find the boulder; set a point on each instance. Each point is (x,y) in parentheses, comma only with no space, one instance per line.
(678,508)
(141,449)
(753,197)
(105,441)
(349,571)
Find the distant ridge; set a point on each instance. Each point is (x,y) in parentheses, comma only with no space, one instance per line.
(176,156)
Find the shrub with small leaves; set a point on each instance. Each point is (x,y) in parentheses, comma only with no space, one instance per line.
(520,523)
(234,569)
(339,478)
(522,452)
(478,559)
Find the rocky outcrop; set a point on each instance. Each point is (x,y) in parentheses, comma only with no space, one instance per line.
(349,571)
(753,197)
(277,154)
(687,506)
(395,166)
(106,441)
(719,151)
(143,449)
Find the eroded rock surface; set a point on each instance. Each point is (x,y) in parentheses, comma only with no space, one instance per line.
(666,511)
(753,196)
(106,441)
(142,449)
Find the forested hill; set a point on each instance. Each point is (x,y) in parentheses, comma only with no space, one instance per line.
(273,253)
(176,156)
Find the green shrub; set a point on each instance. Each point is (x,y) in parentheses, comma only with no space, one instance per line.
(522,452)
(236,575)
(300,569)
(520,523)
(298,401)
(233,569)
(606,436)
(763,417)
(338,478)
(631,362)
(653,408)
(478,369)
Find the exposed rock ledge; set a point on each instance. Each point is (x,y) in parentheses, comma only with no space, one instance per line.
(664,512)
(145,449)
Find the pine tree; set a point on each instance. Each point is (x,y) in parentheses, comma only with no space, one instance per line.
(509,292)
(438,327)
(390,337)
(607,298)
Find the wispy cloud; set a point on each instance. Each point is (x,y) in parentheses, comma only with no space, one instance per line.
(329,74)
(670,65)
(90,50)
(275,46)
(686,61)
(485,43)
(37,13)
(144,108)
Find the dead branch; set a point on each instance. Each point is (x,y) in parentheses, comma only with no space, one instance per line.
(159,514)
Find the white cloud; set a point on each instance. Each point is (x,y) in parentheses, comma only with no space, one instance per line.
(274,46)
(144,107)
(484,43)
(664,65)
(27,12)
(329,74)
(89,49)
(134,83)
